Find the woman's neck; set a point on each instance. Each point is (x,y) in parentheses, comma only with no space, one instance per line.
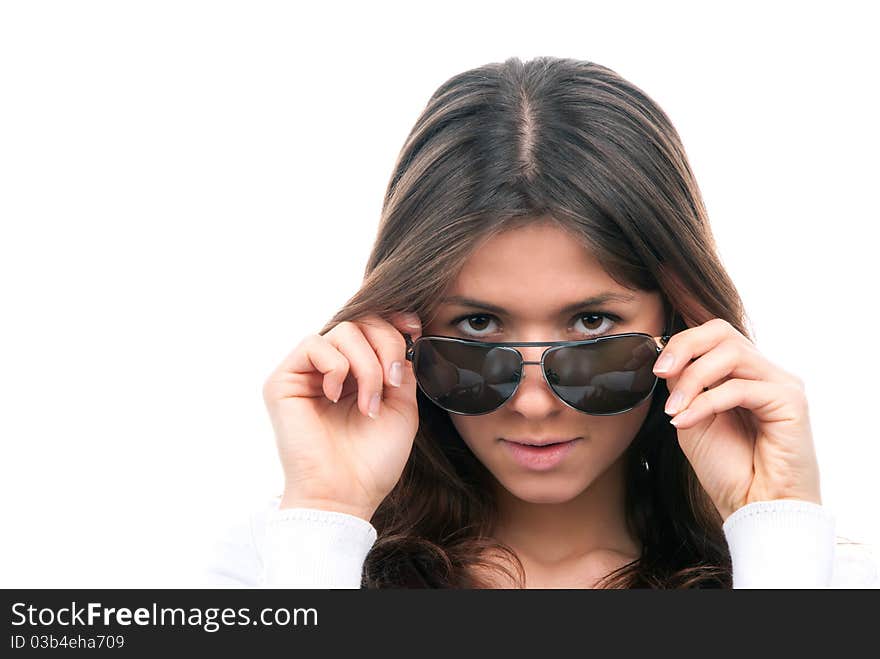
(552,536)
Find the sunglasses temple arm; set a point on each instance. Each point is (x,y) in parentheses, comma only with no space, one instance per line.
(409,346)
(667,332)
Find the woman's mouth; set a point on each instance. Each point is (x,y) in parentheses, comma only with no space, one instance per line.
(540,458)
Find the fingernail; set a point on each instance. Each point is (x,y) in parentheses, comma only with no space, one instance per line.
(664,363)
(396,375)
(674,402)
(681,418)
(413,321)
(374,406)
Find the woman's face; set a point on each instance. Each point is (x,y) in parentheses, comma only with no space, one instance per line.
(529,276)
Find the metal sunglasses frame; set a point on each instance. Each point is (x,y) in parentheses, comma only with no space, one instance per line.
(659,341)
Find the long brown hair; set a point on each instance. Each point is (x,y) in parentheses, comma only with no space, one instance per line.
(495,147)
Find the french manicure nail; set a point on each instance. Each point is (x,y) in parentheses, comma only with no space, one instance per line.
(396,375)
(664,363)
(674,403)
(374,406)
(684,417)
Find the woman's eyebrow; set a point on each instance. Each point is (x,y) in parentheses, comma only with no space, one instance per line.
(592,301)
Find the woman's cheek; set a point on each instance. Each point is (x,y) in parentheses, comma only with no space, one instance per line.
(474,431)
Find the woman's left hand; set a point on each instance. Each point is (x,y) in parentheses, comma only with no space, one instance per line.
(743,422)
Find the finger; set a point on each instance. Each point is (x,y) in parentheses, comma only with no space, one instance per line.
(366,369)
(769,402)
(729,359)
(314,356)
(407,322)
(691,343)
(390,346)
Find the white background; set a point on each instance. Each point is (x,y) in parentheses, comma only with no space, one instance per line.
(189,188)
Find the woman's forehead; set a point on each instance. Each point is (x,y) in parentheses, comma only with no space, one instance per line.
(537,270)
(508,269)
(530,251)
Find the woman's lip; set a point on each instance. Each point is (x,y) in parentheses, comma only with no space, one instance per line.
(539,442)
(540,458)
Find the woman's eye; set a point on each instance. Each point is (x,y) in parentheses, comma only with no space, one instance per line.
(596,323)
(592,323)
(473,328)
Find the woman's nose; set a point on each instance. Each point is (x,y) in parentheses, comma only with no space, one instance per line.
(533,396)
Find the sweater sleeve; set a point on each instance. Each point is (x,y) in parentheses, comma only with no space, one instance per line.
(784,543)
(311,548)
(291,547)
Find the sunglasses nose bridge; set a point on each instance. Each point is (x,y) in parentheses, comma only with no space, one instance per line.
(530,354)
(526,363)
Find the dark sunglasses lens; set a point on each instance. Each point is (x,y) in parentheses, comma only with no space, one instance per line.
(465,378)
(606,377)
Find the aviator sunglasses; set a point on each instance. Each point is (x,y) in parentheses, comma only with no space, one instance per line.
(600,376)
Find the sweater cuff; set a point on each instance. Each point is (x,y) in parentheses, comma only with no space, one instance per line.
(784,543)
(312,548)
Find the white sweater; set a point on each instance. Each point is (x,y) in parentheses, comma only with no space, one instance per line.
(773,544)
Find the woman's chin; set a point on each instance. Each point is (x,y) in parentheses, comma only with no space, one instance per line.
(547,492)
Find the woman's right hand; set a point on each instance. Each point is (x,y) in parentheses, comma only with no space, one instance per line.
(334,455)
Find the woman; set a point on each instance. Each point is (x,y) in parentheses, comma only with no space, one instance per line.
(532,204)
